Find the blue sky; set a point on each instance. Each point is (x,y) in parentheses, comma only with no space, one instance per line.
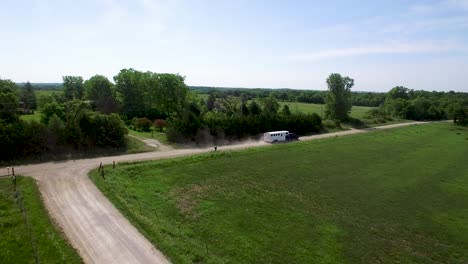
(293,44)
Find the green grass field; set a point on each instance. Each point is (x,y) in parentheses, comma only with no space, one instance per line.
(15,239)
(356,111)
(160,136)
(36,117)
(46,92)
(393,196)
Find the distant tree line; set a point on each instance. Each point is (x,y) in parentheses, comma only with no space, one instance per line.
(289,95)
(409,104)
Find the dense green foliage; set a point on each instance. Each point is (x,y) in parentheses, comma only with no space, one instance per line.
(421,105)
(73,87)
(8,101)
(292,95)
(101,92)
(310,202)
(22,139)
(338,104)
(70,124)
(149,94)
(229,121)
(22,235)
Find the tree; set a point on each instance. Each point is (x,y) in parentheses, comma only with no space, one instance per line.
(99,90)
(28,97)
(270,105)
(286,110)
(244,110)
(210,102)
(170,93)
(230,105)
(129,84)
(8,101)
(73,87)
(49,110)
(146,93)
(338,103)
(254,108)
(7,86)
(398,92)
(8,107)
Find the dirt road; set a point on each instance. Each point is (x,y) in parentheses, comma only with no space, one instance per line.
(91,223)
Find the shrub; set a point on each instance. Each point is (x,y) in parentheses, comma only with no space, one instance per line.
(143,124)
(332,124)
(160,124)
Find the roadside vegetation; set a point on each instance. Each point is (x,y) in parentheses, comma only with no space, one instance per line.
(27,233)
(400,198)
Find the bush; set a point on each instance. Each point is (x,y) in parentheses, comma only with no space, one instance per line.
(160,124)
(356,122)
(332,124)
(22,139)
(142,124)
(108,131)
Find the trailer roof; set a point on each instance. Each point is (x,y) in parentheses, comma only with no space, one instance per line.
(282,131)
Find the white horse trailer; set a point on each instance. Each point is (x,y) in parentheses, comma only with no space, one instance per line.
(275,136)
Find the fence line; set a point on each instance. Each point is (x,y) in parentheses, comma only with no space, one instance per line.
(20,201)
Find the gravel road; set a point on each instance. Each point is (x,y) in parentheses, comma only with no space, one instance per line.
(99,232)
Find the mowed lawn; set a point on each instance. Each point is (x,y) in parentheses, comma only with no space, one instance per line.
(29,237)
(393,196)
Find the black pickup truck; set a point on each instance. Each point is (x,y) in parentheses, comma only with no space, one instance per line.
(291,137)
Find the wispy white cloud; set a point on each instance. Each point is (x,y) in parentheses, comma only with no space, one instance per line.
(386,48)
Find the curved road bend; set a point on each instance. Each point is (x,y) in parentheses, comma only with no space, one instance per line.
(99,232)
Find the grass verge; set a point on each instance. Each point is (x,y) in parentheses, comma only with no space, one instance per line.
(29,235)
(393,196)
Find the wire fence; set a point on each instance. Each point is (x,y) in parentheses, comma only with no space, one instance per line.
(27,223)
(20,202)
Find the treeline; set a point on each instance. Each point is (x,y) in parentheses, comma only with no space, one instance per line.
(290,95)
(43,86)
(69,125)
(399,102)
(85,114)
(409,104)
(218,120)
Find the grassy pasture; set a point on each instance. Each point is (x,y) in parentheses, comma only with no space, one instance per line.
(46,92)
(15,239)
(394,196)
(35,117)
(356,111)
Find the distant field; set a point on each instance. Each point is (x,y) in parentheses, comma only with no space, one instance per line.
(356,111)
(15,239)
(35,117)
(394,196)
(46,92)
